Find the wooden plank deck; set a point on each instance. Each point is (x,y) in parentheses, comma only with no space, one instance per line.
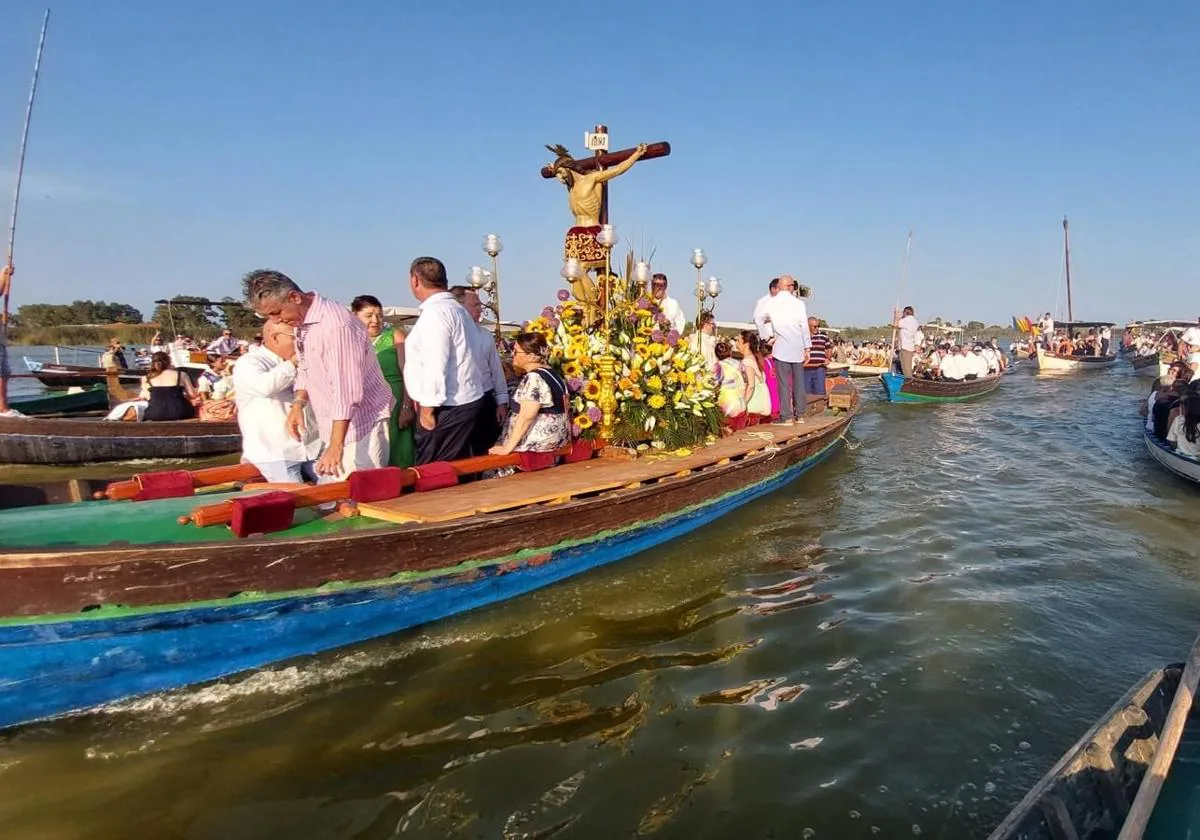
(562,483)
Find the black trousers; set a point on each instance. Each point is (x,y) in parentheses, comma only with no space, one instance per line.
(450,439)
(487,430)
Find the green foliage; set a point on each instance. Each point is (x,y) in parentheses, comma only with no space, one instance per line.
(81,312)
(130,334)
(187,315)
(240,318)
(674,429)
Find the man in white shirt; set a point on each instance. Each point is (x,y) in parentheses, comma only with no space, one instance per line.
(1191,338)
(760,311)
(992,358)
(494,411)
(705,341)
(442,369)
(908,327)
(954,365)
(1105,339)
(977,366)
(1046,329)
(789,320)
(670,307)
(262,381)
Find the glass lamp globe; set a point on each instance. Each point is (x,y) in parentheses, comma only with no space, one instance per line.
(571,270)
(475,277)
(714,287)
(492,245)
(699,259)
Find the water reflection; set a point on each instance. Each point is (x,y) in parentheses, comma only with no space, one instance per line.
(900,642)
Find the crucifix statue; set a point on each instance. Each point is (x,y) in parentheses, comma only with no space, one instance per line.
(587,196)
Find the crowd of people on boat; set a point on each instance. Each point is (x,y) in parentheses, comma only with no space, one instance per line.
(922,356)
(1172,409)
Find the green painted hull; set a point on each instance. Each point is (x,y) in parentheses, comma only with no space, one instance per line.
(91,399)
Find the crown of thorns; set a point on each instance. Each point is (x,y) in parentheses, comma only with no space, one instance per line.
(562,157)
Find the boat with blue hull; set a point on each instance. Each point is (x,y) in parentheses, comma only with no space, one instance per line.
(85,623)
(902,389)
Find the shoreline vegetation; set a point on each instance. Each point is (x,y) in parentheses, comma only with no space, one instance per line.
(98,335)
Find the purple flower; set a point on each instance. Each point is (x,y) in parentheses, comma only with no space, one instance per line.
(575,430)
(643,303)
(548,313)
(574,383)
(656,336)
(595,413)
(554,322)
(672,338)
(564,295)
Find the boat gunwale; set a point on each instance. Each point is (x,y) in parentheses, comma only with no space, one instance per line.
(1047,783)
(84,556)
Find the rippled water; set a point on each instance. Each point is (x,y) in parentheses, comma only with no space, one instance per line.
(899,643)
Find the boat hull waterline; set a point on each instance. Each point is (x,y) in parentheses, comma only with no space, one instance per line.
(56,664)
(903,390)
(1183,466)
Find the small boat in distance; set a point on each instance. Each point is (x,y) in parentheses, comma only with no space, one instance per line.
(1048,362)
(900,389)
(74,401)
(1108,782)
(54,375)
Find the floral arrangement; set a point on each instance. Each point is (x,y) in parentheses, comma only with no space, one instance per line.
(666,396)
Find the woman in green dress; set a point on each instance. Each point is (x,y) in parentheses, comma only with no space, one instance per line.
(389,347)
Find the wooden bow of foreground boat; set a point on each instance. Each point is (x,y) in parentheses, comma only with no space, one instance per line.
(1107,784)
(106,600)
(900,389)
(68,441)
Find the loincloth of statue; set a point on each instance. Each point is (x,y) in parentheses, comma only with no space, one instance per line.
(581,244)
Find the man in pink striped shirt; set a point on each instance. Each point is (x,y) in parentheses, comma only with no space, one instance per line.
(337,371)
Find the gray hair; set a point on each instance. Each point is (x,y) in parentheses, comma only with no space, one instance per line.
(266,283)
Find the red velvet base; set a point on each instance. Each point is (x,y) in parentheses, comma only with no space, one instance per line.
(376,485)
(435,476)
(167,484)
(264,513)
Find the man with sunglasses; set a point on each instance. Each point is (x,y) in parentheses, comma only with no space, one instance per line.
(670,307)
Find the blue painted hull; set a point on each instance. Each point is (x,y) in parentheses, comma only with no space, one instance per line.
(898,389)
(51,669)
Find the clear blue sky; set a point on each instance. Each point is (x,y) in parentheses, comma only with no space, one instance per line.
(176,145)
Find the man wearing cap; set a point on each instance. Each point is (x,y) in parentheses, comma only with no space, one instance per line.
(1191,338)
(226,345)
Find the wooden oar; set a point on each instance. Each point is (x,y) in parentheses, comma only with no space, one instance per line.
(120,490)
(222,512)
(1143,804)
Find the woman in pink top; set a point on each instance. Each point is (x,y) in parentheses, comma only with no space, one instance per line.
(768,366)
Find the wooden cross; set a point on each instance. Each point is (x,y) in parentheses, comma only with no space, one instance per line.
(603,160)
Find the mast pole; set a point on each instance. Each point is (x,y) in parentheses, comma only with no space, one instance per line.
(1067,257)
(900,290)
(12,224)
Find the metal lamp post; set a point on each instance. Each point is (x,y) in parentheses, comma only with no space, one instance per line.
(699,260)
(492,246)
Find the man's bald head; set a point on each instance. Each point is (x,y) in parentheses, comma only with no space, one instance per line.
(787,283)
(279,338)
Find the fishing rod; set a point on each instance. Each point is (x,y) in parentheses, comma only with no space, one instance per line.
(900,292)
(12,224)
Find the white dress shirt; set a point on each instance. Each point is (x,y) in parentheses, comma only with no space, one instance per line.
(262,390)
(789,320)
(908,333)
(954,366)
(441,359)
(673,312)
(491,370)
(976,364)
(706,346)
(760,311)
(223,346)
(1191,337)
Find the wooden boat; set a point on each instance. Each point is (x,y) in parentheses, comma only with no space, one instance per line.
(866,371)
(71,441)
(1151,364)
(1182,465)
(94,398)
(65,376)
(1022,353)
(105,600)
(900,389)
(1107,784)
(1048,362)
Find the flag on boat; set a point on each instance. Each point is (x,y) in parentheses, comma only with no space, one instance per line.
(1022,324)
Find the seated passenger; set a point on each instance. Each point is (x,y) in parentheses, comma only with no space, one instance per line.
(954,365)
(1184,431)
(542,421)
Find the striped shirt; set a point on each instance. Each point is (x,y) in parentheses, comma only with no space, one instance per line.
(818,352)
(339,370)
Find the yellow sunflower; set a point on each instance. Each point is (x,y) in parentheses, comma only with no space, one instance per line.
(656,401)
(583,421)
(572,369)
(591,389)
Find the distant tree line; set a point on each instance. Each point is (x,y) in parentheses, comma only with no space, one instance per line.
(33,315)
(94,322)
